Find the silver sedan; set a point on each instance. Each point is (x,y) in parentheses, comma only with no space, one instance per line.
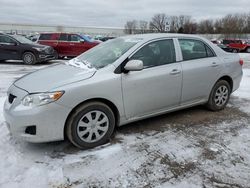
(118,82)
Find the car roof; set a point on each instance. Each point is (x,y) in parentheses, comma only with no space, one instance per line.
(57,33)
(152,36)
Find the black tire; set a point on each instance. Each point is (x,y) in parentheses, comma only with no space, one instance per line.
(29,58)
(235,51)
(248,50)
(73,128)
(215,102)
(56,55)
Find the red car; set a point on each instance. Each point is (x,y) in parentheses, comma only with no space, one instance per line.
(237,45)
(67,44)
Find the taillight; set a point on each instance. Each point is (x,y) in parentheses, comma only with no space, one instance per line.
(241,62)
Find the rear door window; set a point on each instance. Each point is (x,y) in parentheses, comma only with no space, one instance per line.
(63,37)
(194,49)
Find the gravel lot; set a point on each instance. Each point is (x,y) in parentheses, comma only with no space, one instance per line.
(188,148)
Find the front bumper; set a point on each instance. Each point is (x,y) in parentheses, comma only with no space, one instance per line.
(49,119)
(46,57)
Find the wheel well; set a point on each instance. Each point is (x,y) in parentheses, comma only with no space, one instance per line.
(27,51)
(229,80)
(105,101)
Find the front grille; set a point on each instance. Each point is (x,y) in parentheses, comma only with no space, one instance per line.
(11,98)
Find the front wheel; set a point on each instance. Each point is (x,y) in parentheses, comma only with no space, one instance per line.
(90,125)
(29,58)
(219,96)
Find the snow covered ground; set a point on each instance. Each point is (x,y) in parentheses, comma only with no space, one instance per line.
(190,148)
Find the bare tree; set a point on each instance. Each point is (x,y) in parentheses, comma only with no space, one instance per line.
(158,22)
(218,26)
(174,24)
(130,27)
(190,27)
(233,25)
(184,19)
(143,26)
(247,30)
(206,27)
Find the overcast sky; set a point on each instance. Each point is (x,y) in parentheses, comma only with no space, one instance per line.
(111,13)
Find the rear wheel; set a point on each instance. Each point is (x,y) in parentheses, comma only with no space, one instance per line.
(91,125)
(219,96)
(248,50)
(235,51)
(29,58)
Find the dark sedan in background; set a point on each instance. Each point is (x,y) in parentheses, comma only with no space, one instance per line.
(16,47)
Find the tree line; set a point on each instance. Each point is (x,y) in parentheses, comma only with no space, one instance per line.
(231,24)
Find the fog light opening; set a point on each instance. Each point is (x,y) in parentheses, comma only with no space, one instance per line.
(31,130)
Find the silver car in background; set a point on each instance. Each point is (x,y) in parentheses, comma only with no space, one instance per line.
(118,82)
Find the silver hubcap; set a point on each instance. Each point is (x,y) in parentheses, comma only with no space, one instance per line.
(248,50)
(221,96)
(92,126)
(28,58)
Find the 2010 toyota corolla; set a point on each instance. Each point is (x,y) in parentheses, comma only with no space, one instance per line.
(118,82)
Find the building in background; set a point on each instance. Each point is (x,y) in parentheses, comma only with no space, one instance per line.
(26,29)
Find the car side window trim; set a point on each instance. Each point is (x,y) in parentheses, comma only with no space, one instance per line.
(120,68)
(10,38)
(151,42)
(206,46)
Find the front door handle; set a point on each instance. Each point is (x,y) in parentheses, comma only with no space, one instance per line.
(175,71)
(214,64)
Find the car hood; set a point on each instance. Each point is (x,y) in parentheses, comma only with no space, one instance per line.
(54,76)
(36,45)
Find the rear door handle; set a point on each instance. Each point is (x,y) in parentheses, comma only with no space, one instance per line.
(214,64)
(175,71)
(71,44)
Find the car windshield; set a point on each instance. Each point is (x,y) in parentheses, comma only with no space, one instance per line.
(108,52)
(87,38)
(22,39)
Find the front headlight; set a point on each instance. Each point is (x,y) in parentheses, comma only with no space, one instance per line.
(39,99)
(38,49)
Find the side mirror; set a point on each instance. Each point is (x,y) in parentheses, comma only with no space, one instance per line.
(81,41)
(134,65)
